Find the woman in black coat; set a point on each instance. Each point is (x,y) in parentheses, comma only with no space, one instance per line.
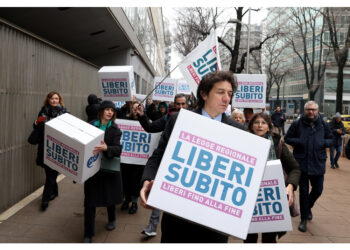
(104,189)
(131,174)
(261,125)
(52,107)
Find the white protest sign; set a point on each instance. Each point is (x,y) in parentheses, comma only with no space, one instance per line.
(183,87)
(201,61)
(68,147)
(117,83)
(251,91)
(271,213)
(210,178)
(118,105)
(138,145)
(166,91)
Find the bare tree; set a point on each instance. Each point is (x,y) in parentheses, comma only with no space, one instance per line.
(340,51)
(304,41)
(194,24)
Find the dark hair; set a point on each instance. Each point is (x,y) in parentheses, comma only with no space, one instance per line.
(208,82)
(51,94)
(263,115)
(181,95)
(103,106)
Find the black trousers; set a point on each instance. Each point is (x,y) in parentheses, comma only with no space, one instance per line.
(266,238)
(307,200)
(50,187)
(89,219)
(176,230)
(131,176)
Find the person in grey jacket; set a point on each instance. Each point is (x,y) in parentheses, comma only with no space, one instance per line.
(309,136)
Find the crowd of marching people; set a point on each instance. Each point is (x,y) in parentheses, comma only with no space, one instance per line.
(304,165)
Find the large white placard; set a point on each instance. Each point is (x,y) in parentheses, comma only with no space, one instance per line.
(183,87)
(117,83)
(166,91)
(251,91)
(138,145)
(210,174)
(201,61)
(271,212)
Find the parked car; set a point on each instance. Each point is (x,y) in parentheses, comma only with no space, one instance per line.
(346,122)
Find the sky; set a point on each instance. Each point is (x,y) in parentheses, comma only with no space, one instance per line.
(169,12)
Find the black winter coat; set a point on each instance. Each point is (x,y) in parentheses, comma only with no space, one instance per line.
(310,143)
(154,126)
(105,189)
(50,113)
(334,126)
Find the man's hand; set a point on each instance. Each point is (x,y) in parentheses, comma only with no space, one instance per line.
(145,190)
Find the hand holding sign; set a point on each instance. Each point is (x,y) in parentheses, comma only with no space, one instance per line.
(146,189)
(139,110)
(99,148)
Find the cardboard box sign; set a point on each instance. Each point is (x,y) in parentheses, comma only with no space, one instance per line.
(117,83)
(210,174)
(69,143)
(166,91)
(271,212)
(251,91)
(138,145)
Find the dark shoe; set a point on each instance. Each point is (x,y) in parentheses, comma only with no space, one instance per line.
(125,205)
(52,197)
(332,166)
(87,240)
(150,230)
(44,205)
(111,225)
(336,165)
(302,226)
(309,216)
(133,208)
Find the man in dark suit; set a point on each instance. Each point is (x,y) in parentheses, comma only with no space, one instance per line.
(214,94)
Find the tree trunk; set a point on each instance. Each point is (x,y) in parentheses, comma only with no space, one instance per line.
(311,95)
(340,83)
(234,59)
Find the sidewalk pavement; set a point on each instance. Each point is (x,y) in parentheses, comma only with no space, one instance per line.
(63,221)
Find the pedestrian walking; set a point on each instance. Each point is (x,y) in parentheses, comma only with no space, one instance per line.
(310,136)
(214,94)
(278,118)
(131,174)
(104,189)
(52,107)
(180,101)
(261,125)
(338,129)
(92,107)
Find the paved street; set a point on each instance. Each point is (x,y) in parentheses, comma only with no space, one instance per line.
(63,220)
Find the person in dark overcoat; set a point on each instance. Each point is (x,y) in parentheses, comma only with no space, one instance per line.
(93,107)
(338,129)
(131,174)
(104,189)
(261,125)
(53,106)
(214,94)
(309,136)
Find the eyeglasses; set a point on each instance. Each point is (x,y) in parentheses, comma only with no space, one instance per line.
(181,103)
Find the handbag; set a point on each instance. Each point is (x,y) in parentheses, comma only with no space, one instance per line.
(110,165)
(34,137)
